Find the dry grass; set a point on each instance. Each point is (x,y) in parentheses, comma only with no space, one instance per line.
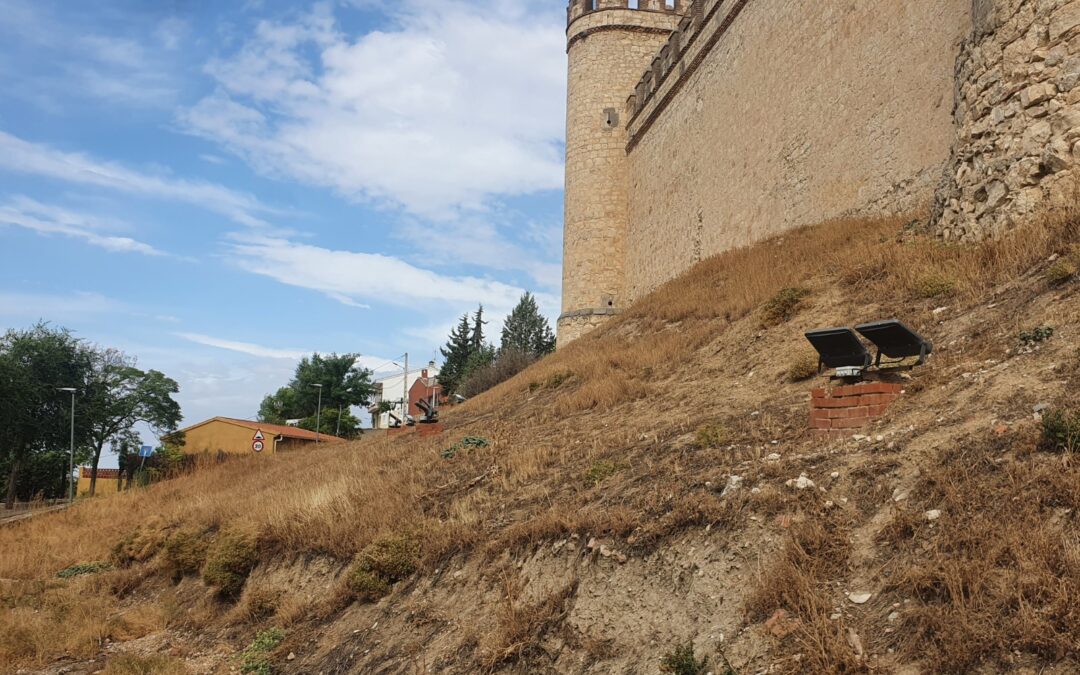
(131,664)
(546,428)
(522,626)
(999,573)
(798,582)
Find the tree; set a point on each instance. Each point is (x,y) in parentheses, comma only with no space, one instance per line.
(118,396)
(344,384)
(34,416)
(126,448)
(456,355)
(526,330)
(279,407)
(476,339)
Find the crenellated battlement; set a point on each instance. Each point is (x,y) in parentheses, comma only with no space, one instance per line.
(686,40)
(578,8)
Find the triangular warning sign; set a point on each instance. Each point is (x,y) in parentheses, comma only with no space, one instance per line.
(258,435)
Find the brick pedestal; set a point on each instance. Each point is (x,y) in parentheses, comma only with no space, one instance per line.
(838,411)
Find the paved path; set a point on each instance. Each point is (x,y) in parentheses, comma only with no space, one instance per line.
(7,517)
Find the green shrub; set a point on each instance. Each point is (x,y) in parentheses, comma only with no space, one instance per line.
(463,444)
(803,367)
(934,285)
(229,560)
(139,545)
(1036,335)
(1061,431)
(681,661)
(185,551)
(366,585)
(600,471)
(1062,271)
(784,305)
(382,563)
(256,658)
(84,568)
(711,435)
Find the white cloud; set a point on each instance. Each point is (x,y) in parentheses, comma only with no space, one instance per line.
(55,307)
(44,219)
(348,276)
(70,61)
(478,241)
(248,348)
(22,156)
(456,104)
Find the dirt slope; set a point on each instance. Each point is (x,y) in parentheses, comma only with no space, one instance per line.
(593,534)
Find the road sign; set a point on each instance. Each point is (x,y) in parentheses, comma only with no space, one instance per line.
(258,436)
(257,446)
(146,451)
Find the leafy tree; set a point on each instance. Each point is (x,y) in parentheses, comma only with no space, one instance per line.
(526,330)
(34,416)
(280,406)
(118,396)
(334,422)
(344,385)
(126,448)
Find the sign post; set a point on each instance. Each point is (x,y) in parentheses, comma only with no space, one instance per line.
(257,442)
(144,452)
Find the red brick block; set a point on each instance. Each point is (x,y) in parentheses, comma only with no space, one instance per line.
(821,414)
(829,403)
(881,388)
(861,411)
(877,410)
(837,413)
(818,392)
(877,399)
(850,423)
(820,424)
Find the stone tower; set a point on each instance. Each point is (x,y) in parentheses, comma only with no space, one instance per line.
(609,45)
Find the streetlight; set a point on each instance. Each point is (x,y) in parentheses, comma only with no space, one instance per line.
(71,454)
(318,414)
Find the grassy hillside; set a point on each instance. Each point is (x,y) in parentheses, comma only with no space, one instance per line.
(574,518)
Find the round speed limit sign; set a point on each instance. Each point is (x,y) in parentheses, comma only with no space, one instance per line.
(257,446)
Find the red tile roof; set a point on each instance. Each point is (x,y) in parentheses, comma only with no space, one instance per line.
(276,429)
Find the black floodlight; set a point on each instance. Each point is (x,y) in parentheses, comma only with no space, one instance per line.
(431,415)
(839,348)
(896,341)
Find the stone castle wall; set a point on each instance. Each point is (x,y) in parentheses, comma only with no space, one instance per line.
(752,117)
(1017,146)
(607,50)
(789,113)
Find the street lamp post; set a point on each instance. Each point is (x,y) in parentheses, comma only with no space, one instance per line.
(71,447)
(318,414)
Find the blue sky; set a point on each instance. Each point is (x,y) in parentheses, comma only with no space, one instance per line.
(219,188)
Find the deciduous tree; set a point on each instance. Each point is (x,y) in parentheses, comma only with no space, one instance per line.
(118,396)
(34,416)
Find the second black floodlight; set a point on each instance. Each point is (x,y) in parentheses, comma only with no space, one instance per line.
(839,348)
(896,341)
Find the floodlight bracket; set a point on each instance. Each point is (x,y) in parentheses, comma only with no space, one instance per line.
(845,372)
(922,359)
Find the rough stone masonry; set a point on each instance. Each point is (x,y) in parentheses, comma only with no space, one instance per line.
(697,126)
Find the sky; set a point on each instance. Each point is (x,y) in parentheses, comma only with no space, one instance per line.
(221,188)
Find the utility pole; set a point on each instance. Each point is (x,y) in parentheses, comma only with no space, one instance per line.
(405,394)
(71,447)
(318,414)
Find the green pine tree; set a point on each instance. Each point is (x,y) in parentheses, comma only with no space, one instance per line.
(526,330)
(476,339)
(456,355)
